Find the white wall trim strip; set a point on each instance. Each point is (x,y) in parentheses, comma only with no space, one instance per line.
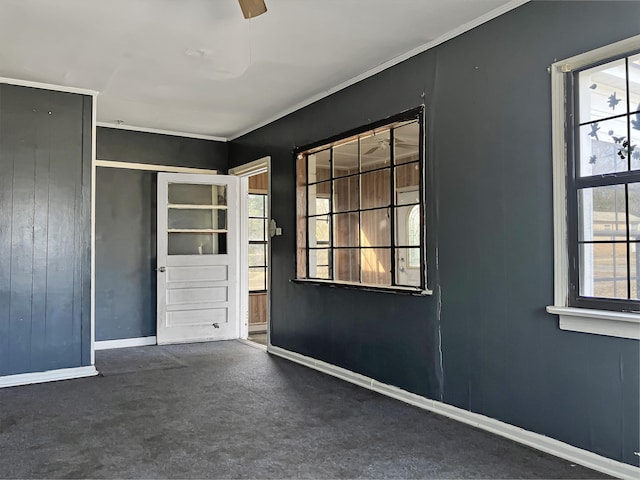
(394,61)
(153,168)
(517,434)
(126,342)
(48,86)
(161,132)
(48,376)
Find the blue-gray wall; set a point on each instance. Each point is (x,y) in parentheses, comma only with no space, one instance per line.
(491,349)
(126,224)
(45,228)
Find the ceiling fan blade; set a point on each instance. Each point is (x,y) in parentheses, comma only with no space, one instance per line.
(252,8)
(406,145)
(402,143)
(371,150)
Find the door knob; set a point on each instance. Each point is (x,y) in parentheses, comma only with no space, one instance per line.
(161,269)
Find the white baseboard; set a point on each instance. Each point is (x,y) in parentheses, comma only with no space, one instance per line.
(125,342)
(517,434)
(48,376)
(258,327)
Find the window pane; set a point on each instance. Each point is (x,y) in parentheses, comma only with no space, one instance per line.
(192,194)
(634,211)
(345,159)
(257,279)
(601,147)
(347,233)
(603,270)
(376,266)
(375,151)
(319,232)
(257,230)
(193,219)
(407,143)
(413,258)
(345,194)
(408,226)
(257,255)
(603,91)
(319,196)
(347,266)
(256,205)
(319,166)
(635,140)
(408,267)
(375,189)
(375,228)
(197,243)
(602,213)
(407,180)
(634,85)
(634,257)
(319,266)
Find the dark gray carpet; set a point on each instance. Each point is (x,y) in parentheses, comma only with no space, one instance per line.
(227,410)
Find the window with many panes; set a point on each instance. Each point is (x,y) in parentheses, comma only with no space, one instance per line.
(603,184)
(258,231)
(360,208)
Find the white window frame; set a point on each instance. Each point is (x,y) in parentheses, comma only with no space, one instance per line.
(601,322)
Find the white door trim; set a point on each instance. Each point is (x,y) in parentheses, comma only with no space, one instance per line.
(531,439)
(244,171)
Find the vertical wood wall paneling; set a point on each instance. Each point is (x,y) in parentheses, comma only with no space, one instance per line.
(375,229)
(64,241)
(21,249)
(41,235)
(85,204)
(259,183)
(44,229)
(346,193)
(7,140)
(257,308)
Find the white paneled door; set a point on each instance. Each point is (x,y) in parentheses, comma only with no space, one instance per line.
(198,258)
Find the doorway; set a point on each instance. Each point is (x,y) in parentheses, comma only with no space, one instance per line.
(258,249)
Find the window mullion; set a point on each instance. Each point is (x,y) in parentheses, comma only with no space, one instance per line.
(331,255)
(392,198)
(359,169)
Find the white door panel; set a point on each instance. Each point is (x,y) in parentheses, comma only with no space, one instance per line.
(198,274)
(198,258)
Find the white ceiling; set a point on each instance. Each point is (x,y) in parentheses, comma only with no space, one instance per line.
(198,67)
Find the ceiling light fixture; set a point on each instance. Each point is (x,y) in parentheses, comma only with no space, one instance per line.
(252,8)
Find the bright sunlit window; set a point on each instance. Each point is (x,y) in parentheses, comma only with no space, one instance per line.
(360,207)
(603,185)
